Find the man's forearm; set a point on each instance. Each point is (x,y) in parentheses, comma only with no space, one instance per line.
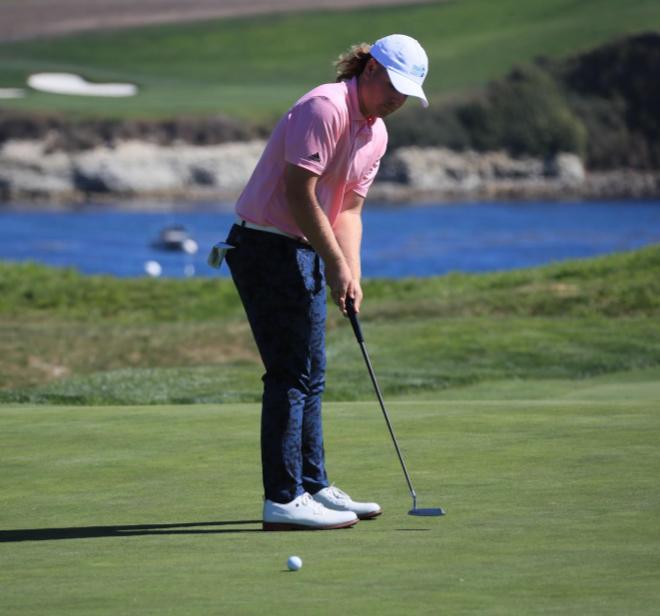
(312,221)
(310,218)
(348,231)
(314,224)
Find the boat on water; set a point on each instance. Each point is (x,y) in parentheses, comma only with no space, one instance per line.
(173,238)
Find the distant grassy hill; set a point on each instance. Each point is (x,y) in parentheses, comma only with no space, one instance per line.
(254,68)
(69,338)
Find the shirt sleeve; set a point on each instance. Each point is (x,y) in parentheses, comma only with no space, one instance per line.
(312,132)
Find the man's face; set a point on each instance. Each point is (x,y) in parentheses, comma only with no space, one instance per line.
(378,97)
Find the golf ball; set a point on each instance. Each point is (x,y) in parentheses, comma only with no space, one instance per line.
(294,563)
(153,268)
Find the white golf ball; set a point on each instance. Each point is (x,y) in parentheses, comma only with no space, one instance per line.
(294,563)
(153,268)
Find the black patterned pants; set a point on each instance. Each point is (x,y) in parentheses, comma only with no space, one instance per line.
(281,283)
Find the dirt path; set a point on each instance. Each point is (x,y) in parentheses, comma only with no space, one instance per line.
(25,19)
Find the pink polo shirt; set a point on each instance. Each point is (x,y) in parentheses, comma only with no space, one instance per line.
(326,133)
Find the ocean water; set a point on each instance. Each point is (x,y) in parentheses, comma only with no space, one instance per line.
(399,241)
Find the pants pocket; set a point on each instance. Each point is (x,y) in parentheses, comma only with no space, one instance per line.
(311,270)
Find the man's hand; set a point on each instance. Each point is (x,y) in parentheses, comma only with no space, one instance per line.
(340,280)
(355,292)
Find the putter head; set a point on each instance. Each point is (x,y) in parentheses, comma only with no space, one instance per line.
(431,511)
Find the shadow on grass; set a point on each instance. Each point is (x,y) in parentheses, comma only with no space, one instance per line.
(91,532)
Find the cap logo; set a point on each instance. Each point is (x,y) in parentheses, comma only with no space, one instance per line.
(418,70)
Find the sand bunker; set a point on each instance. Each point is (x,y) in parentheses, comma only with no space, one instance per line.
(68,83)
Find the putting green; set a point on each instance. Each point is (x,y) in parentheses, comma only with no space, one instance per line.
(552,508)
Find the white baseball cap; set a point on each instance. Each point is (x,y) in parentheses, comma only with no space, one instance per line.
(406,62)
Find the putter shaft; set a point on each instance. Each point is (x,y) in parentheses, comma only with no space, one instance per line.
(387,421)
(352,315)
(355,323)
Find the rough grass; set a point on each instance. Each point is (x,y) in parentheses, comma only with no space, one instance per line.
(68,338)
(619,285)
(256,67)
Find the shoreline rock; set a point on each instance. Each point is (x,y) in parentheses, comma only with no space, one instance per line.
(135,171)
(417,174)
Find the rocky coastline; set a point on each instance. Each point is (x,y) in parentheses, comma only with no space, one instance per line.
(131,171)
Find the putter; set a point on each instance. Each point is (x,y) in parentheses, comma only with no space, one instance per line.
(352,315)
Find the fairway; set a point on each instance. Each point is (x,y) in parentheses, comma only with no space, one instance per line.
(552,507)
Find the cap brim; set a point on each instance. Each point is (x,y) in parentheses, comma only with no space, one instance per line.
(407,86)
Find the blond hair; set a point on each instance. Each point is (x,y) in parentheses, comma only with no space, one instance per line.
(351,63)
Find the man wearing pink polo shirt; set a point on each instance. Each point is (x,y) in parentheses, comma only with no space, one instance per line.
(299,227)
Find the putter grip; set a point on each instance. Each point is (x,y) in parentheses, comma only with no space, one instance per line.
(352,315)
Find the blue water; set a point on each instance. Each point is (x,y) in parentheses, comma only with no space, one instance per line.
(398,241)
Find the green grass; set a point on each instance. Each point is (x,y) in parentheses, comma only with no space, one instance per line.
(527,404)
(67,338)
(552,508)
(411,359)
(255,68)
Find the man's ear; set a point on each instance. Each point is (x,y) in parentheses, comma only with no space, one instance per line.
(371,68)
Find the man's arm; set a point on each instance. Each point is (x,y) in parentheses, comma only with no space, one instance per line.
(300,186)
(348,231)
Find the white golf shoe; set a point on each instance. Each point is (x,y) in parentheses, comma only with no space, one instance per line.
(304,513)
(334,498)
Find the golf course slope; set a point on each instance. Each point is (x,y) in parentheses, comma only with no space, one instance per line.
(73,339)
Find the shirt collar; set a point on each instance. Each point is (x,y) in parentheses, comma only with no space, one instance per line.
(354,103)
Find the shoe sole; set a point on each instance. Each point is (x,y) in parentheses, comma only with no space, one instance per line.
(282,526)
(370,516)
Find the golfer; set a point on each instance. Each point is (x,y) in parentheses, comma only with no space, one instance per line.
(299,228)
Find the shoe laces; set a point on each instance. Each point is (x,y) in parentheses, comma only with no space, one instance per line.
(338,494)
(307,501)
